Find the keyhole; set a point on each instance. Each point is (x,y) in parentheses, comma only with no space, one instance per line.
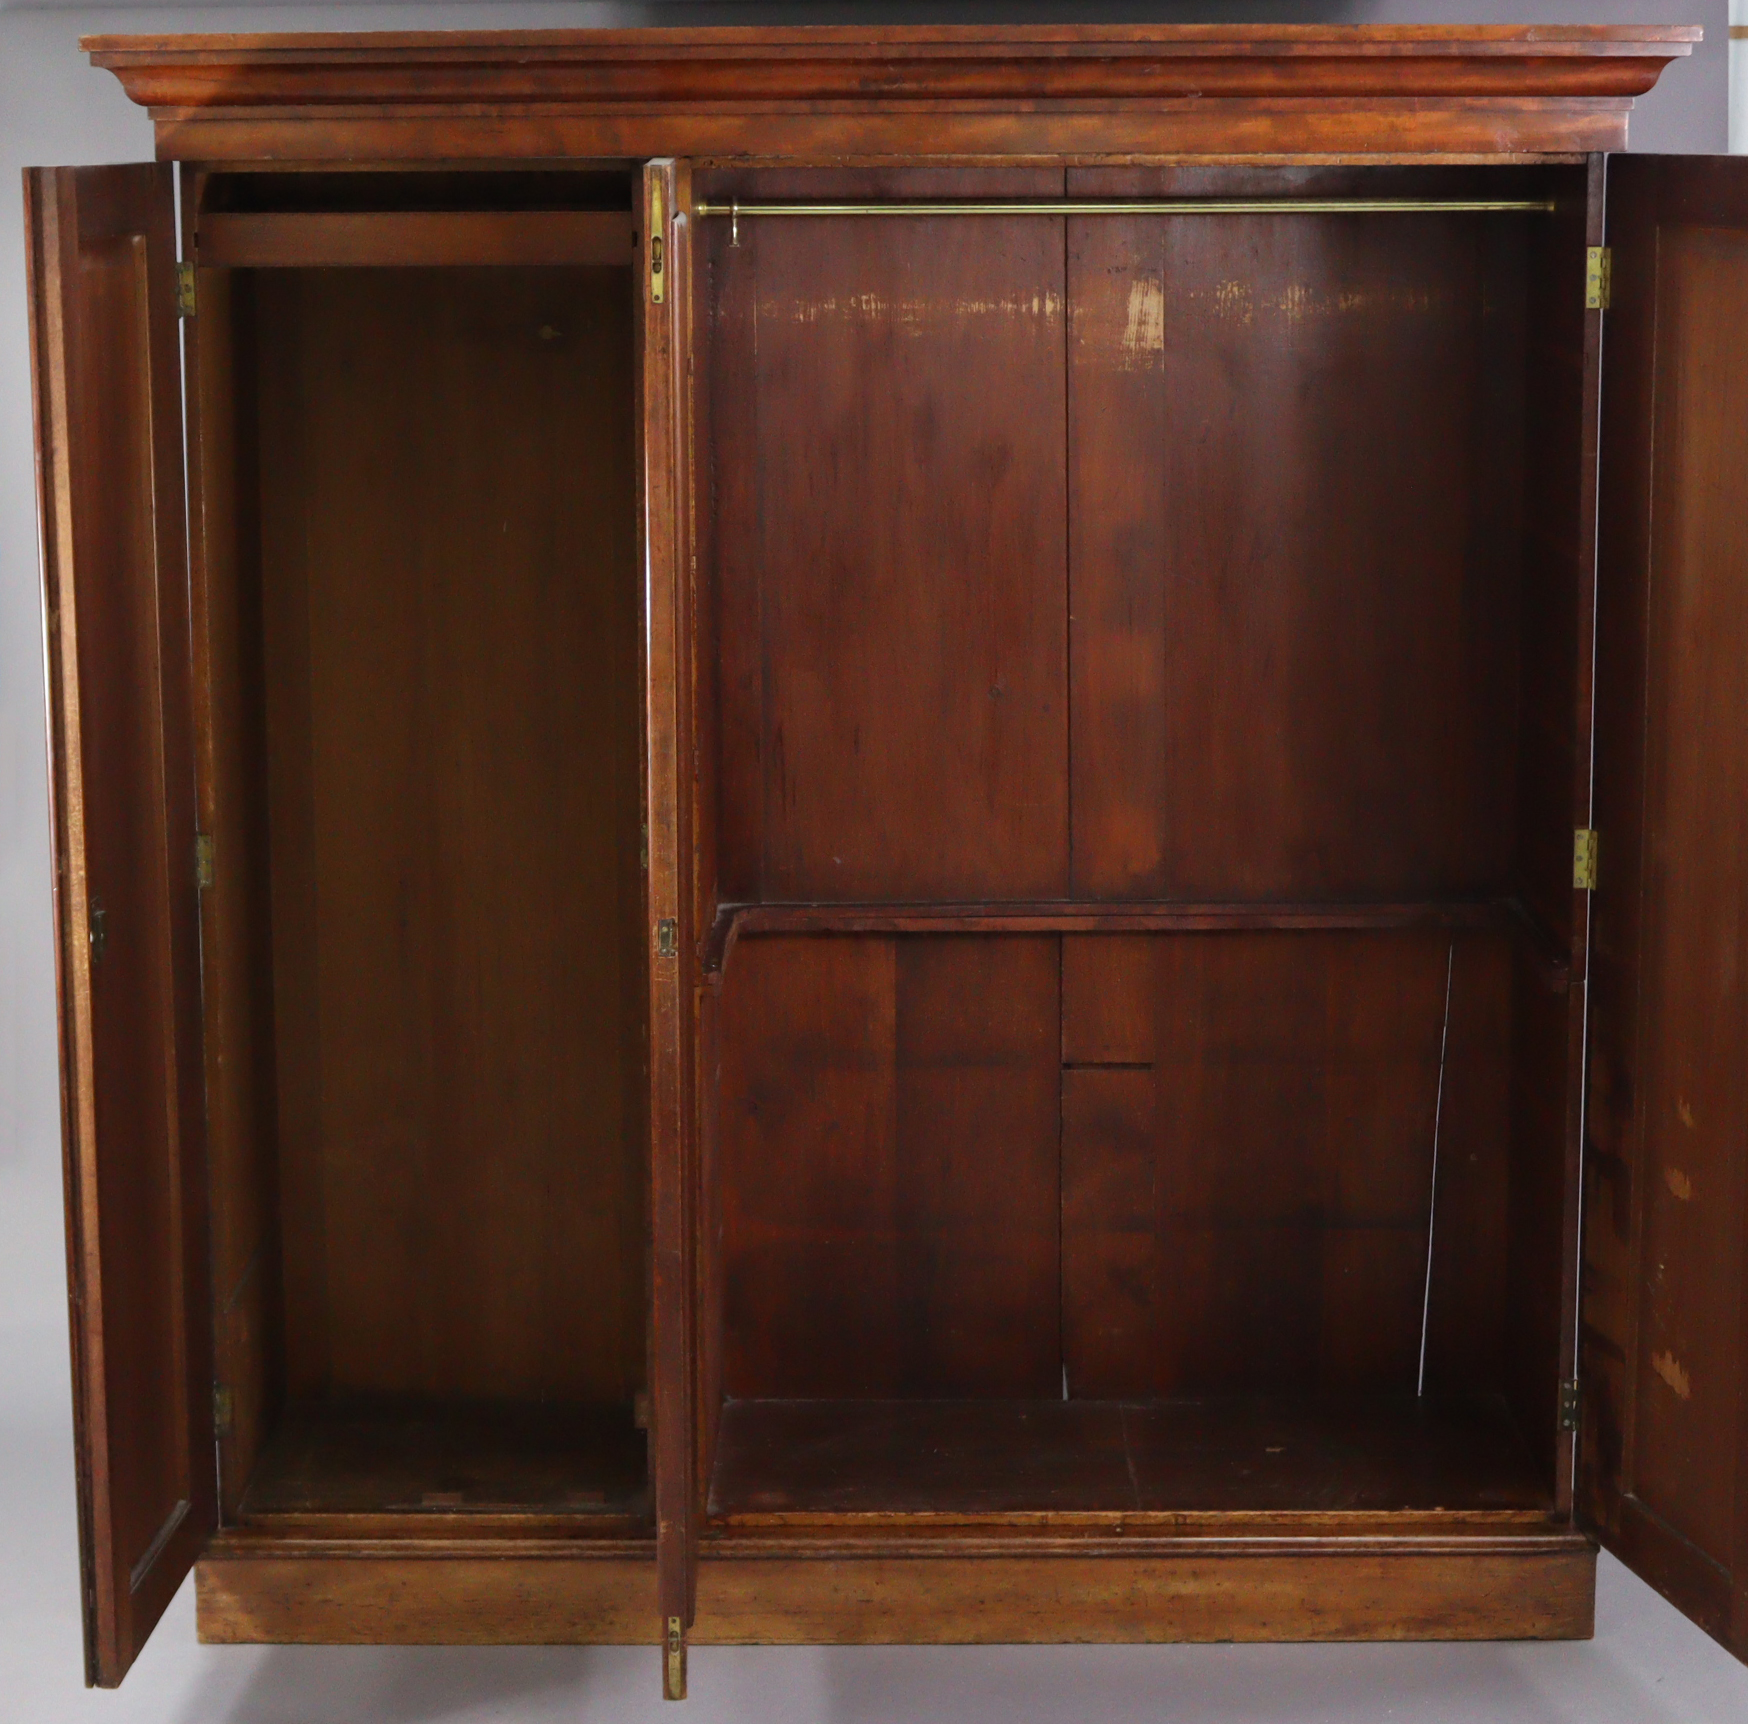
(99,930)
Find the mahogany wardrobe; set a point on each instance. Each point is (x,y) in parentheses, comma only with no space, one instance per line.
(923,834)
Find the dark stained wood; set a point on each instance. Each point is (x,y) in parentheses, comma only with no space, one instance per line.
(497,189)
(242,1103)
(1523,1587)
(792,1462)
(1382,128)
(115,602)
(1553,797)
(496,1593)
(1467,1310)
(406,239)
(1128,681)
(889,1168)
(449,1458)
(733,921)
(943,90)
(1293,634)
(1664,1445)
(1540,1224)
(1247,1134)
(1528,1589)
(452,761)
(891,555)
(1564,357)
(966,61)
(664,329)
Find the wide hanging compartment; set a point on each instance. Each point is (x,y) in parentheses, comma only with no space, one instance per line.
(1145,780)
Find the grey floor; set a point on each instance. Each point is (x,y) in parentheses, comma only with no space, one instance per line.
(1646,1666)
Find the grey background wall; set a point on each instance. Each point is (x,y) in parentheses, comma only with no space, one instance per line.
(1650,1665)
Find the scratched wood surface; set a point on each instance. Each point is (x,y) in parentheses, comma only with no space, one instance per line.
(831,1461)
(1293,638)
(890,544)
(1665,1427)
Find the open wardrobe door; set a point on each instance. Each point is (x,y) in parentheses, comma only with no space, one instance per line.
(115,603)
(1663,1441)
(665,380)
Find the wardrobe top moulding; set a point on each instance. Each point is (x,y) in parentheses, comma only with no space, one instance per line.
(832,93)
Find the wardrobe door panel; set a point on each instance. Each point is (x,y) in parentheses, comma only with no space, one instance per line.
(115,578)
(1663,1448)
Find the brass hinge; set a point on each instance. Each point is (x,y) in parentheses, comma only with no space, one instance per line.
(185,290)
(1569,1405)
(674,1664)
(223,1410)
(667,938)
(1584,859)
(1598,277)
(657,244)
(203,875)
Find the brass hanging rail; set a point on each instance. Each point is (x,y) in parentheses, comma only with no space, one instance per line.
(1141,206)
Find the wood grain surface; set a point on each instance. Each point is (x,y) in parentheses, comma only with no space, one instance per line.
(1527,1588)
(1664,1445)
(890,544)
(836,1461)
(452,742)
(102,250)
(889,1168)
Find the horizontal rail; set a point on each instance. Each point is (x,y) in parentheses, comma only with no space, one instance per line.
(1551,962)
(1141,206)
(292,239)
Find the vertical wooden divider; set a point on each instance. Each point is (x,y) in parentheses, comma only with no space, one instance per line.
(663,322)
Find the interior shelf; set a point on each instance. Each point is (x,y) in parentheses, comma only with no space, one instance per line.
(429,1458)
(792,1460)
(1074,916)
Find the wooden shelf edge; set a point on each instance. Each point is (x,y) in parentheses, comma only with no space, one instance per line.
(734,922)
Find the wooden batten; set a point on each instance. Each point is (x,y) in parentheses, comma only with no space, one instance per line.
(411,238)
(917,91)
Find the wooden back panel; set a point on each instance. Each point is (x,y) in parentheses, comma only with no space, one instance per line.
(1118,557)
(891,542)
(889,1167)
(1251,1125)
(1295,446)
(451,654)
(1164,1165)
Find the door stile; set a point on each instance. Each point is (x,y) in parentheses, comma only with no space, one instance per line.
(664,320)
(1583,805)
